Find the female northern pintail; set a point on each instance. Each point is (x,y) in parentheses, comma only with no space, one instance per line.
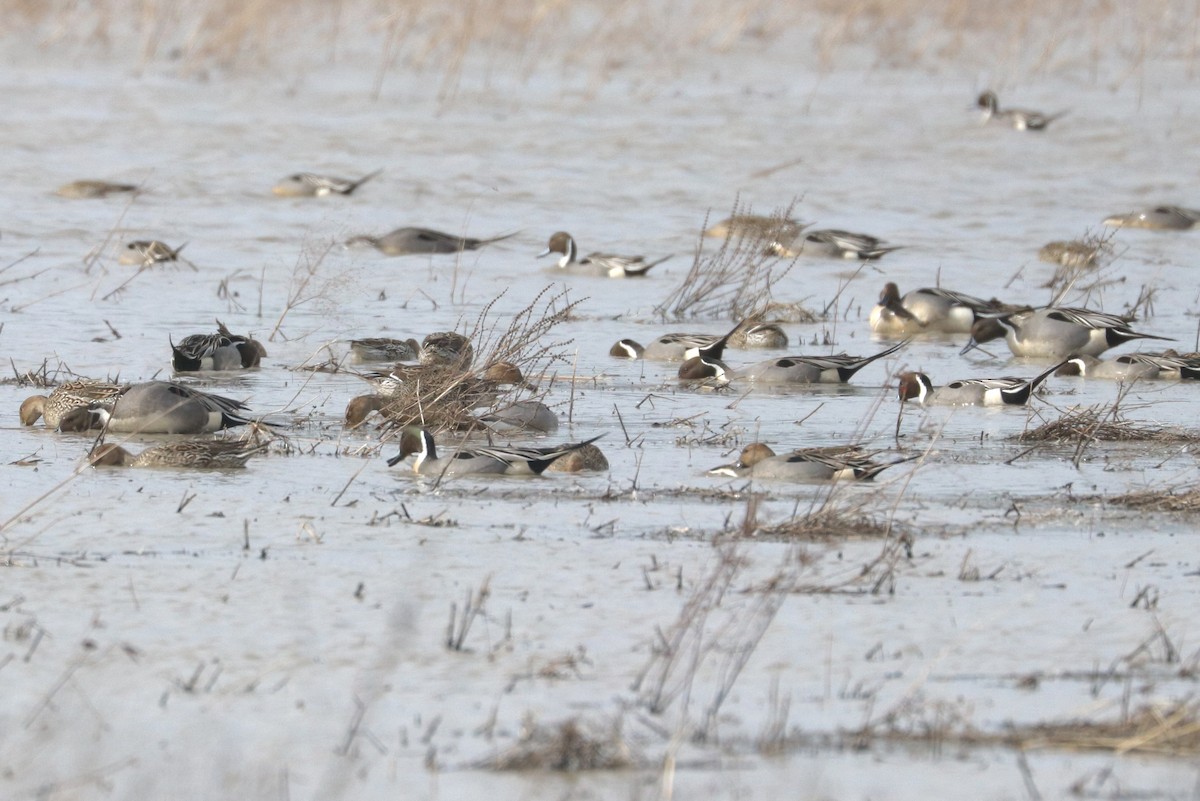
(207,453)
(160,407)
(448,348)
(751,335)
(1159,218)
(1021,119)
(599,264)
(404,241)
(1167,366)
(511,461)
(65,398)
(1055,332)
(384,349)
(217,352)
(307,184)
(148,252)
(585,459)
(1074,254)
(390,385)
(836,244)
(789,370)
(93,189)
(972,391)
(674,347)
(806,464)
(757,226)
(927,310)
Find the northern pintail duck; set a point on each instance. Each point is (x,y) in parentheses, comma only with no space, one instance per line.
(512,461)
(1018,118)
(835,244)
(836,369)
(751,335)
(148,252)
(599,264)
(65,398)
(972,391)
(1055,332)
(384,349)
(221,351)
(806,464)
(585,459)
(448,348)
(1159,218)
(160,407)
(405,241)
(307,184)
(526,415)
(757,226)
(1074,254)
(1166,366)
(674,347)
(94,189)
(927,310)
(208,453)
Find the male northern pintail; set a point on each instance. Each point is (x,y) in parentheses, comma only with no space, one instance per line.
(511,461)
(972,391)
(525,415)
(586,459)
(836,244)
(1074,254)
(674,347)
(217,352)
(160,407)
(1167,366)
(93,189)
(65,398)
(404,241)
(208,453)
(806,464)
(384,349)
(148,252)
(927,310)
(789,370)
(447,347)
(1021,119)
(307,184)
(1159,218)
(757,226)
(599,264)
(1055,332)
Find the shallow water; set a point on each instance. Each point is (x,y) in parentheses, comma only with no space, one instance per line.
(280,632)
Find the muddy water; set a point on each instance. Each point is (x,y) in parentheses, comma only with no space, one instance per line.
(280,632)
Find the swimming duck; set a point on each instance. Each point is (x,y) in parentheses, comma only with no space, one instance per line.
(589,458)
(207,453)
(447,348)
(384,349)
(512,461)
(148,252)
(160,407)
(806,464)
(674,347)
(750,335)
(972,391)
(789,370)
(216,352)
(1074,254)
(307,184)
(405,241)
(598,264)
(835,244)
(927,310)
(1020,119)
(93,189)
(1132,366)
(1159,218)
(65,398)
(1055,332)
(757,226)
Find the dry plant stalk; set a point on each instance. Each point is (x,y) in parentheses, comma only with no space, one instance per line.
(735,281)
(301,290)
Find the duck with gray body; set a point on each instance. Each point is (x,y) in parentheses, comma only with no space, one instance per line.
(307,184)
(217,352)
(757,460)
(972,391)
(160,407)
(1018,118)
(511,461)
(1159,218)
(1133,366)
(837,369)
(927,310)
(1055,332)
(598,264)
(413,241)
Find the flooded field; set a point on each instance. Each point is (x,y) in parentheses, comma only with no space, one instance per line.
(322,626)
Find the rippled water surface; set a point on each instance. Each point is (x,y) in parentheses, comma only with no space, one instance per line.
(279,632)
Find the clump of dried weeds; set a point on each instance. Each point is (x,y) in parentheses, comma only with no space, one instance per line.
(569,745)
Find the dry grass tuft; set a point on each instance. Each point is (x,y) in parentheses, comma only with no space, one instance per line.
(568,746)
(1080,425)
(735,281)
(1170,730)
(1185,499)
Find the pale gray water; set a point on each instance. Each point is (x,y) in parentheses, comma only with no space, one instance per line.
(135,595)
